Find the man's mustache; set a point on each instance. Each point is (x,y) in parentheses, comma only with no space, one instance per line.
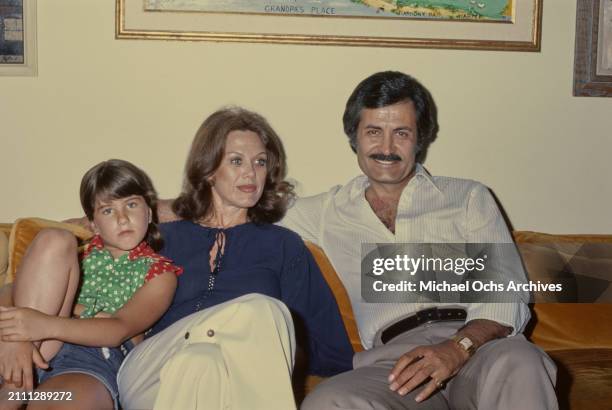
(383,157)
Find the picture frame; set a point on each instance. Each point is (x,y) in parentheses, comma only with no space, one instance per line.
(593,49)
(521,33)
(18,28)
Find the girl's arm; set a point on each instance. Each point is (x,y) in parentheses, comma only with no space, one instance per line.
(144,308)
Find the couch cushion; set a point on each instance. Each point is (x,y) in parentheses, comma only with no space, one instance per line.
(584,378)
(23,232)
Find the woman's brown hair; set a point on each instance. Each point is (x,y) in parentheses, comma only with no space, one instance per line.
(206,153)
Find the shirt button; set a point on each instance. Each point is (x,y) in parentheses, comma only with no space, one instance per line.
(187,335)
(210,333)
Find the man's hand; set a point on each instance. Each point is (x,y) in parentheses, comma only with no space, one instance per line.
(436,363)
(24,324)
(16,359)
(440,362)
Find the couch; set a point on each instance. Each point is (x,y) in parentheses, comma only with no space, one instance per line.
(577,336)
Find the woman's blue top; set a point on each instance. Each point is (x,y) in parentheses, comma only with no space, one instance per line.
(258,258)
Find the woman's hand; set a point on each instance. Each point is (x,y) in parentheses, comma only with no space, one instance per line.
(24,324)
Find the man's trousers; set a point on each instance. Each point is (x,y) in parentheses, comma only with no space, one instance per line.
(503,374)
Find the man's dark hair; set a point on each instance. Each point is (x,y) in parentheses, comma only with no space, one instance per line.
(388,88)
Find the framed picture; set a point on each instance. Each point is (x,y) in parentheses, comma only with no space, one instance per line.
(512,25)
(593,52)
(17,37)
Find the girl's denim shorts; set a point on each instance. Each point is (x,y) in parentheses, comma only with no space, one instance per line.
(100,362)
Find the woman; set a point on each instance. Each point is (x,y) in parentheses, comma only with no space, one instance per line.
(227,340)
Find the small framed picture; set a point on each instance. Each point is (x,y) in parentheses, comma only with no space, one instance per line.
(593,52)
(18,37)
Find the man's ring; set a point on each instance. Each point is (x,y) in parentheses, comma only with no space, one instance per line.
(440,384)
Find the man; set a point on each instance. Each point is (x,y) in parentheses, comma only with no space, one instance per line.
(481,362)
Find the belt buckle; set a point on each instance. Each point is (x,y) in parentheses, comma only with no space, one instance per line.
(427,316)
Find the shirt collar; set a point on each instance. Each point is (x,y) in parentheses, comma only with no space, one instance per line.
(362,182)
(422,172)
(143,249)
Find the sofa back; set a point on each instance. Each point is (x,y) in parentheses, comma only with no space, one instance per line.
(558,326)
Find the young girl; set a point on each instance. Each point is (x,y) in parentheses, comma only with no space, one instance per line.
(125,288)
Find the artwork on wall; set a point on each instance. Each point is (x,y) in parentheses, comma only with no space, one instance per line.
(18,37)
(593,51)
(462,24)
(474,10)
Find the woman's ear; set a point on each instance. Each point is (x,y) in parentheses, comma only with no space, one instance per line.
(211,179)
(94,227)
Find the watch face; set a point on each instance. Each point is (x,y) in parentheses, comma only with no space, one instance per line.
(466,343)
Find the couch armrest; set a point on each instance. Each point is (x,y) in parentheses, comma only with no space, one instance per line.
(342,298)
(23,232)
(3,256)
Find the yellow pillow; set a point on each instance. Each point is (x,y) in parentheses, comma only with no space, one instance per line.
(23,232)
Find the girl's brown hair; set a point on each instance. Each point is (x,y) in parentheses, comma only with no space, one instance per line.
(115,179)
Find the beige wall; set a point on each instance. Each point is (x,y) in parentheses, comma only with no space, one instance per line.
(507,119)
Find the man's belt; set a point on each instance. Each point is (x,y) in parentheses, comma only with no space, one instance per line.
(420,318)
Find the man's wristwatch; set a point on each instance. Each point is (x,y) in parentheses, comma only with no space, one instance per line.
(465,343)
